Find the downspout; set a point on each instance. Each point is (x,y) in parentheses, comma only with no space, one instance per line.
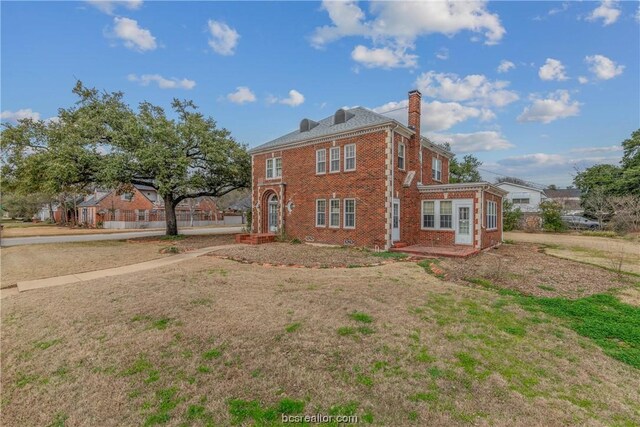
(391,132)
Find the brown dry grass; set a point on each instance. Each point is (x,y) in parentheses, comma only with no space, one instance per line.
(54,230)
(301,255)
(105,352)
(30,262)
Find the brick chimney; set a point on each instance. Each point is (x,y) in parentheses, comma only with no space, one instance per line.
(414,123)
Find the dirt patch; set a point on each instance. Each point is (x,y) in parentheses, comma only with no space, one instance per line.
(302,255)
(29,262)
(527,269)
(212,340)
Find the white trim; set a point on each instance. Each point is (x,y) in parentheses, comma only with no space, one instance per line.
(404,156)
(324,150)
(325,213)
(331,159)
(273,168)
(330,213)
(467,186)
(344,214)
(354,157)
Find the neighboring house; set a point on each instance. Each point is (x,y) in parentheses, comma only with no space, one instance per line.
(360,178)
(526,198)
(568,198)
(142,207)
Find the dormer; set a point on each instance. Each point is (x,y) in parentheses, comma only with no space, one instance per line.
(306,125)
(342,116)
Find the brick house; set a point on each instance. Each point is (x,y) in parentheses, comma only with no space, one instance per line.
(141,205)
(360,178)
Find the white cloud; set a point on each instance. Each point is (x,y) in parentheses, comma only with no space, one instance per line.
(552,70)
(14,116)
(295,98)
(608,11)
(134,37)
(396,25)
(224,39)
(505,66)
(557,105)
(473,142)
(436,115)
(603,67)
(442,53)
(109,7)
(592,150)
(534,159)
(384,57)
(242,95)
(583,80)
(475,88)
(163,83)
(561,9)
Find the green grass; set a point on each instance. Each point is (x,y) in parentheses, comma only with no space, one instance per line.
(546,288)
(390,255)
(426,265)
(161,324)
(612,325)
(243,410)
(213,353)
(361,317)
(141,364)
(346,330)
(59,420)
(423,397)
(176,237)
(166,401)
(293,327)
(43,345)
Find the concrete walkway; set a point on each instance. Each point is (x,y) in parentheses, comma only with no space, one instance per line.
(30,285)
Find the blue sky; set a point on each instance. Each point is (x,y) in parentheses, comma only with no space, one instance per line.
(533,89)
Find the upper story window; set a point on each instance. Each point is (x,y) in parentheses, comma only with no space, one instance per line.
(492,215)
(436,169)
(350,157)
(127,197)
(321,161)
(401,156)
(334,156)
(520,198)
(274,167)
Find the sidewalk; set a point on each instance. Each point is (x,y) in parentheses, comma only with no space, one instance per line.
(30,285)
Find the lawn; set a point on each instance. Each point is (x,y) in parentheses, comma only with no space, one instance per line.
(30,262)
(216,342)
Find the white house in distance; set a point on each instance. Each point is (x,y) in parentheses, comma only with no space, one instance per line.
(526,198)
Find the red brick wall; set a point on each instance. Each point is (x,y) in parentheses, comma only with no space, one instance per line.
(444,237)
(427,156)
(302,187)
(114,201)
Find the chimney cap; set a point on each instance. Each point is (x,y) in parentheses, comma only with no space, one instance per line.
(411,92)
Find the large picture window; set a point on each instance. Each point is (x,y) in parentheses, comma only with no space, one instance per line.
(437,214)
(349,213)
(492,215)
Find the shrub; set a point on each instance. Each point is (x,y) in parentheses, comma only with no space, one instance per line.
(551,213)
(512,216)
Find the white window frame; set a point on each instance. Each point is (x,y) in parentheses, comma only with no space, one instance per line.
(323,162)
(346,158)
(344,218)
(331,213)
(127,197)
(318,212)
(436,169)
(273,168)
(492,215)
(440,215)
(403,156)
(332,159)
(436,215)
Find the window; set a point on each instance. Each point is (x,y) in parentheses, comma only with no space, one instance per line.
(334,213)
(428,214)
(492,215)
(446,214)
(436,169)
(350,157)
(321,161)
(126,197)
(274,168)
(520,201)
(349,213)
(401,156)
(321,213)
(142,215)
(334,153)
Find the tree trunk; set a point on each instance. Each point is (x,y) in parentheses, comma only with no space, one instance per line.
(52,216)
(170,215)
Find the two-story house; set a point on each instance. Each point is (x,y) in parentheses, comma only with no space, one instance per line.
(361,178)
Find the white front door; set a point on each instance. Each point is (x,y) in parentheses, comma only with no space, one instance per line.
(395,221)
(463,227)
(273,214)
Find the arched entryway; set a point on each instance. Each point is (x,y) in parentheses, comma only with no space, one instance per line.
(270,219)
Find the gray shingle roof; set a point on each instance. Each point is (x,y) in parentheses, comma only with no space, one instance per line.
(362,118)
(91,201)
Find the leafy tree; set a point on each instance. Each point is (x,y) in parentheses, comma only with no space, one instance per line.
(552,187)
(631,149)
(512,180)
(604,177)
(551,213)
(512,216)
(182,158)
(23,205)
(465,171)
